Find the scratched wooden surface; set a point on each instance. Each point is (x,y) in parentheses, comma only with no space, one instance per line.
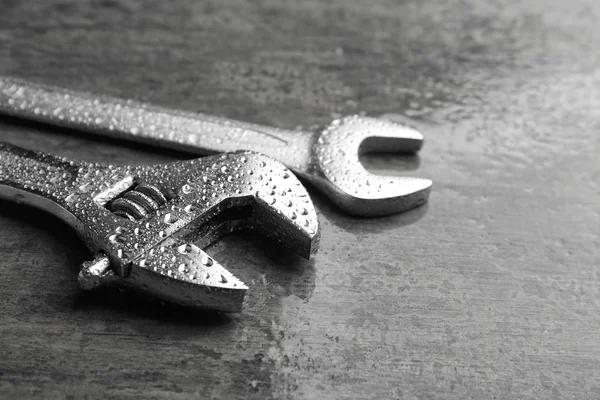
(490,291)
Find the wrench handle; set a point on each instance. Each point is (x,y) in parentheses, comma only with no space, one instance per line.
(40,180)
(145,123)
(33,171)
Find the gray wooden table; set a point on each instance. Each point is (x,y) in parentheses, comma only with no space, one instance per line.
(490,291)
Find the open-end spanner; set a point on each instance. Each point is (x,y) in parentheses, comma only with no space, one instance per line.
(148,225)
(328,158)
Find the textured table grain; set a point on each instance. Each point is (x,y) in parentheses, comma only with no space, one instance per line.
(490,291)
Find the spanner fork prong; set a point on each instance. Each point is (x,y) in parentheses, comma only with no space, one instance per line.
(329,158)
(148,225)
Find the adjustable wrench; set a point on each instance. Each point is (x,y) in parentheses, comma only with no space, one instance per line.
(328,158)
(148,225)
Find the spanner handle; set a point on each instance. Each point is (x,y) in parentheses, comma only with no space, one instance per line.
(140,122)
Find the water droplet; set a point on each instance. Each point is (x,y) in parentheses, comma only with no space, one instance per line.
(116,239)
(72,197)
(187,189)
(170,218)
(190,208)
(185,248)
(206,260)
(86,187)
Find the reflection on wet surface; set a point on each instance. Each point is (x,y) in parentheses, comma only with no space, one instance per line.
(493,285)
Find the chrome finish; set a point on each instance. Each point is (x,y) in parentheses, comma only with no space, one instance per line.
(159,251)
(329,158)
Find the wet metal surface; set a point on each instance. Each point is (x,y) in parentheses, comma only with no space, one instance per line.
(327,158)
(490,290)
(149,224)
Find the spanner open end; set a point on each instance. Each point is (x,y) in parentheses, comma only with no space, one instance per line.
(148,225)
(341,175)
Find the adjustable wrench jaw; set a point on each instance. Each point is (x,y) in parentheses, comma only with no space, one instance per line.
(338,172)
(210,197)
(148,224)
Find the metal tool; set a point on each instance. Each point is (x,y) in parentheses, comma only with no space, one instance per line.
(148,225)
(328,158)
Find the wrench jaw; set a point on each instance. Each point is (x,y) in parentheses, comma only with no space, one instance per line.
(186,275)
(302,238)
(283,210)
(246,190)
(183,275)
(161,254)
(341,175)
